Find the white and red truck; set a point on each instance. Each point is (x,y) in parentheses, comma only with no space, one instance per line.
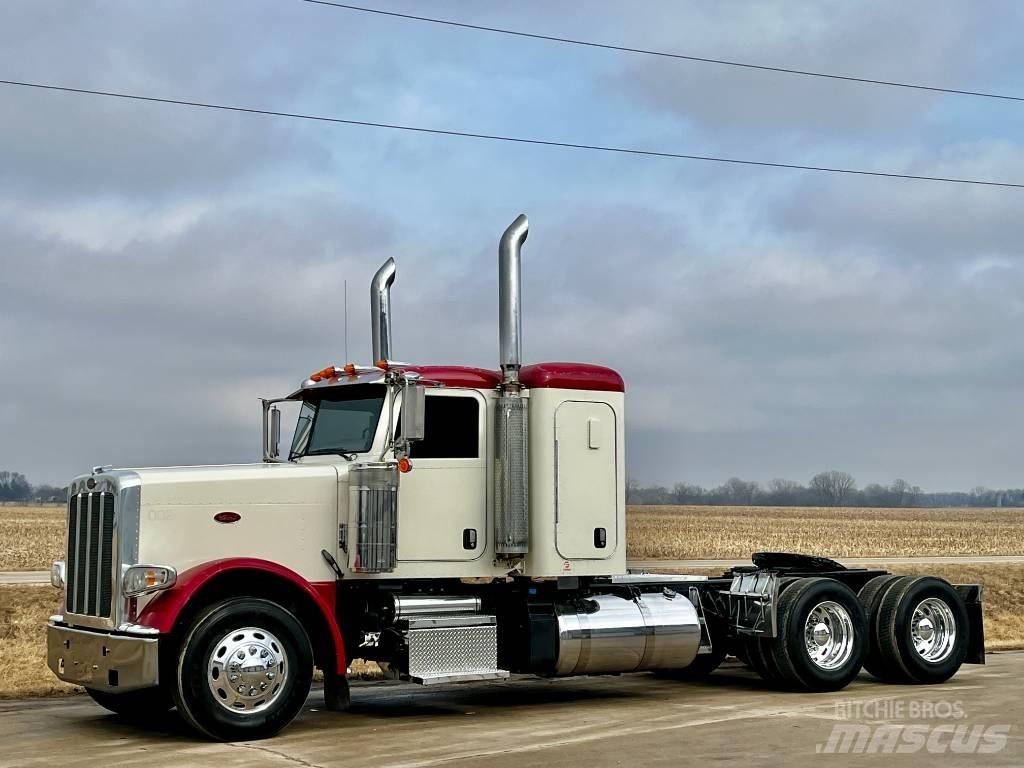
(451,524)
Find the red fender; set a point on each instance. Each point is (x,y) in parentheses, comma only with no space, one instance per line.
(162,613)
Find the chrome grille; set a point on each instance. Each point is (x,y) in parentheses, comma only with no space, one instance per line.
(90,553)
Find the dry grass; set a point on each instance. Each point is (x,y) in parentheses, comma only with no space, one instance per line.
(33,537)
(730,532)
(23,670)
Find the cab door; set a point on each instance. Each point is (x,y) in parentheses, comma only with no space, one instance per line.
(442,502)
(586,492)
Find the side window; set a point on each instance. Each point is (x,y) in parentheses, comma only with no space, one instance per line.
(451,429)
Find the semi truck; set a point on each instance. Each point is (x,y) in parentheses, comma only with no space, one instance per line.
(451,524)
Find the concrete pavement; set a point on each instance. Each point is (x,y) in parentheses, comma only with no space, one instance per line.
(631,720)
(34,578)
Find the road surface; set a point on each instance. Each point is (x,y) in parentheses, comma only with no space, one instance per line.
(25,577)
(631,720)
(43,577)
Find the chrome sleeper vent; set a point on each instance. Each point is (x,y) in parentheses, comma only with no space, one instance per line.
(90,554)
(512,489)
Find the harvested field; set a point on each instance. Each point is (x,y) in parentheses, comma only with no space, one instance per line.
(734,532)
(33,537)
(23,670)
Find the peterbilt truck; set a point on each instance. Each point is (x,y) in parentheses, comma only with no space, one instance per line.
(451,524)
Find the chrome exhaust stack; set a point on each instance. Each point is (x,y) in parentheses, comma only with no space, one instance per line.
(511,466)
(510,311)
(380,311)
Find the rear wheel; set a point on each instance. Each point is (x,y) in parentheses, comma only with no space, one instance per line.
(147,704)
(244,670)
(821,639)
(702,666)
(921,629)
(870,597)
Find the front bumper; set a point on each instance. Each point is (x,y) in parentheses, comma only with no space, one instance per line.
(102,661)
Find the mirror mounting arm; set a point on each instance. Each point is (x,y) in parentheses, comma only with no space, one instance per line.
(413,391)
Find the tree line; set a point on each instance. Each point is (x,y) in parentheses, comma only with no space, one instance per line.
(831,489)
(14,487)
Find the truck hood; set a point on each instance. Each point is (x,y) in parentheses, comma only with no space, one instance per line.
(284,513)
(231,483)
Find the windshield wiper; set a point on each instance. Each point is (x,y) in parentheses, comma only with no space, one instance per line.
(345,454)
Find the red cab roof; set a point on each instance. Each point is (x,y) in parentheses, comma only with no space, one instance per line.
(458,375)
(595,378)
(571,376)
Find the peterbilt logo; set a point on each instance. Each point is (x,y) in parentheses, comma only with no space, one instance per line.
(227,516)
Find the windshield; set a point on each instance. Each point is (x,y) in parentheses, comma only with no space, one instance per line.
(341,420)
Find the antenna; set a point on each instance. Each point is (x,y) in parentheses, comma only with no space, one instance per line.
(346,323)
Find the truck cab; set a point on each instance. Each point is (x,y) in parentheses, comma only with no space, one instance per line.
(452,524)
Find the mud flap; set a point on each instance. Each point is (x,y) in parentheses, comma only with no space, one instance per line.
(971,595)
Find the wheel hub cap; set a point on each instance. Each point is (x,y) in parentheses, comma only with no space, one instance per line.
(247,670)
(828,635)
(933,630)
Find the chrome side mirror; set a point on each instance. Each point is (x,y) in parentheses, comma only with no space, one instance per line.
(275,433)
(414,406)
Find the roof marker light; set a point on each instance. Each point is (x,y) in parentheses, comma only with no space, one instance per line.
(327,373)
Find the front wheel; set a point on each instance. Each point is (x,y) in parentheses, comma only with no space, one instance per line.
(147,704)
(244,670)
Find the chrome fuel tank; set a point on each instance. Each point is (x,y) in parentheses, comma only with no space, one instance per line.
(605,634)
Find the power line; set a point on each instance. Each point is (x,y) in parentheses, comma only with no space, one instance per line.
(496,137)
(665,54)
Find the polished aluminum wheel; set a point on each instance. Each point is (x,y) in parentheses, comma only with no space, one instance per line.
(247,670)
(828,635)
(933,630)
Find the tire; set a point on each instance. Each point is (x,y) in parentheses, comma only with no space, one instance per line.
(147,704)
(699,669)
(758,650)
(870,597)
(830,610)
(758,654)
(738,648)
(921,630)
(252,642)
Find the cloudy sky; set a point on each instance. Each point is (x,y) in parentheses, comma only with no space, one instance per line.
(161,268)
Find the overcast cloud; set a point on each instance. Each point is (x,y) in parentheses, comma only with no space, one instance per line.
(161,268)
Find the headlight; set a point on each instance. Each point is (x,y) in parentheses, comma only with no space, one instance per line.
(143,579)
(57,574)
